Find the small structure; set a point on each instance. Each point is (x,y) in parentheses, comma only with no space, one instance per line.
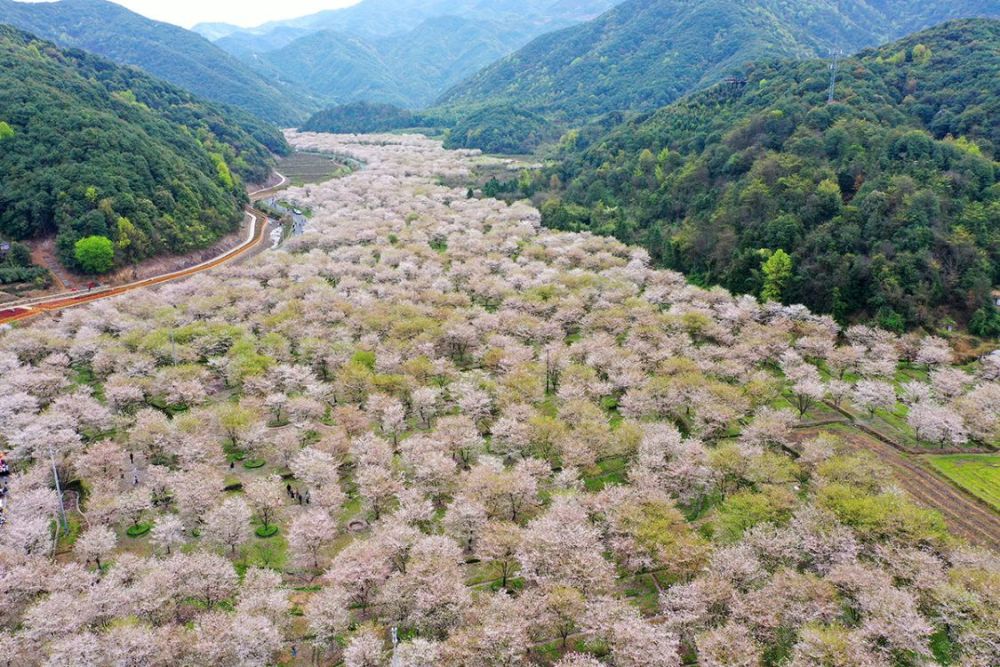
(996,297)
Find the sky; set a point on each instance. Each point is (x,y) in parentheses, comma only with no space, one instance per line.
(245,13)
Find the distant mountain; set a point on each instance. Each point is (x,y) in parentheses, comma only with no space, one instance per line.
(408,70)
(403,52)
(90,148)
(886,200)
(646,53)
(166,51)
(378,18)
(214,31)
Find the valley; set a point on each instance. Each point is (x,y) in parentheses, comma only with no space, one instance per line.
(478,309)
(468,333)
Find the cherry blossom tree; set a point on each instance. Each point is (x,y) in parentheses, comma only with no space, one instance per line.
(425,403)
(378,487)
(464,521)
(418,653)
(633,641)
(228,525)
(95,543)
(328,615)
(359,571)
(498,543)
(168,532)
(134,504)
(561,547)
(266,497)
(732,645)
(936,424)
(933,352)
(311,532)
(366,649)
(205,576)
(873,395)
(488,388)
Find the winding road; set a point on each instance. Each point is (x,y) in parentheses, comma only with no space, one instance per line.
(26,309)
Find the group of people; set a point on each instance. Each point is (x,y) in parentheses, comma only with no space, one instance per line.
(296,495)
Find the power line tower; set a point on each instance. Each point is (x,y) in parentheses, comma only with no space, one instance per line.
(833,75)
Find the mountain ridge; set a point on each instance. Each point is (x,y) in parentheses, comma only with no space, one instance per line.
(624,60)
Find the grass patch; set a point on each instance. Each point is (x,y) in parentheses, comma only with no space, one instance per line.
(253,464)
(606,472)
(979,474)
(138,530)
(942,648)
(266,532)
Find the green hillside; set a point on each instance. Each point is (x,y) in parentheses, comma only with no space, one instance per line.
(887,200)
(644,54)
(90,148)
(168,52)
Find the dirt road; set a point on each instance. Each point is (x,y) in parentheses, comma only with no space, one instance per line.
(966,516)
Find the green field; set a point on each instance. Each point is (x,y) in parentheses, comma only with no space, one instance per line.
(977,473)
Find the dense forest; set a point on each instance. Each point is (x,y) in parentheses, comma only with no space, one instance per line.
(166,51)
(884,203)
(500,129)
(88,148)
(644,54)
(359,117)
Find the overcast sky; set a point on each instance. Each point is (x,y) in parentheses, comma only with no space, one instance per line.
(246,13)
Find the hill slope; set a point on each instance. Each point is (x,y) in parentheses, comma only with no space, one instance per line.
(646,53)
(166,51)
(887,200)
(88,143)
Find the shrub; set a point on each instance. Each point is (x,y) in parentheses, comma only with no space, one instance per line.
(95,254)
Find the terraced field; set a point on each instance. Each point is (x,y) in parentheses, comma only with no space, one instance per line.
(303,167)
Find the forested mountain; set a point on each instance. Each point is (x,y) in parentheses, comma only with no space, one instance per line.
(886,201)
(402,52)
(89,148)
(381,18)
(408,70)
(646,53)
(165,51)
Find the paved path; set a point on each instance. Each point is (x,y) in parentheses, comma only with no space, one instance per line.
(32,308)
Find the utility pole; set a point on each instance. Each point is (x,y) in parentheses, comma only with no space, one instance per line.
(55,475)
(395,644)
(833,75)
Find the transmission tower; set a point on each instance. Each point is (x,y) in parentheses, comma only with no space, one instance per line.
(833,75)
